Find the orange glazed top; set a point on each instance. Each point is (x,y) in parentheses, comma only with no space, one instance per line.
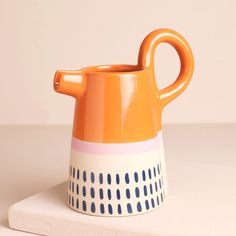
(121,103)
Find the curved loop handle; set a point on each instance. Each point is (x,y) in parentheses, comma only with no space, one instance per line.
(146,59)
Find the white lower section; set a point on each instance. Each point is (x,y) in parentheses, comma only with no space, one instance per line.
(163,164)
(117,185)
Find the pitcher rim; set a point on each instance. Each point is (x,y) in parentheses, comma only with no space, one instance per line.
(114,70)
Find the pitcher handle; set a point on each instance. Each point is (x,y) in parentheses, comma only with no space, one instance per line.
(146,60)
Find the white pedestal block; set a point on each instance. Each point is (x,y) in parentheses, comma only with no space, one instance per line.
(196,205)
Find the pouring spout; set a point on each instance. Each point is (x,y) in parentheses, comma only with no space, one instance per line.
(70,83)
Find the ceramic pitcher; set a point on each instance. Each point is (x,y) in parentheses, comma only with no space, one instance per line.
(117,163)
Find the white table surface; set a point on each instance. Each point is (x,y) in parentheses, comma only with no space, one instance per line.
(33,158)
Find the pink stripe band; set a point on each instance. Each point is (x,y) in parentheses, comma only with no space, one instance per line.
(116,148)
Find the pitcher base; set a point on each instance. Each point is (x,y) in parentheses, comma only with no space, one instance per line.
(116,185)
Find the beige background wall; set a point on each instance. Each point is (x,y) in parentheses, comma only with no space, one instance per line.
(38,36)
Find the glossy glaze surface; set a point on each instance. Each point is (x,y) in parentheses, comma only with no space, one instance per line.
(122,103)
